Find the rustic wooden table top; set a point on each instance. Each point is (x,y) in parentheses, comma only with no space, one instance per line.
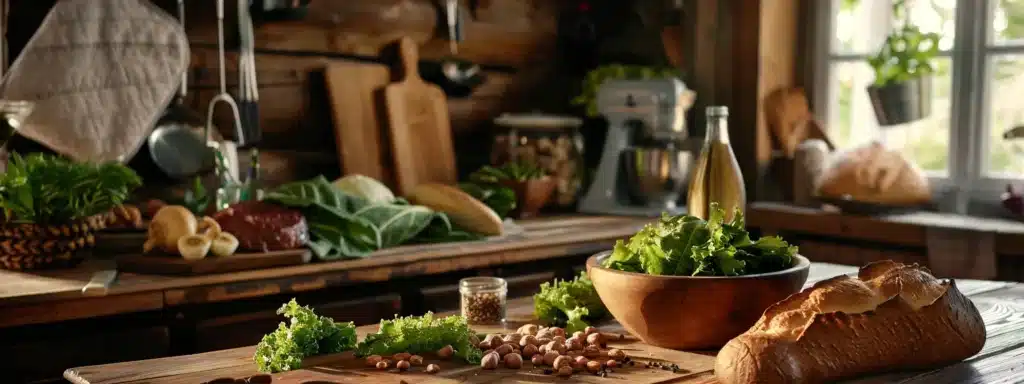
(1001,305)
(29,298)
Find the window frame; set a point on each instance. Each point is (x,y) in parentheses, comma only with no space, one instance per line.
(966,181)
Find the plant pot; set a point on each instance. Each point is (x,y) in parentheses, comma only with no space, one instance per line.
(901,103)
(531,195)
(30,246)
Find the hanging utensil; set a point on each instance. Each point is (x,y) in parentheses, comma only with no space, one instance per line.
(248,88)
(222,97)
(176,145)
(455,76)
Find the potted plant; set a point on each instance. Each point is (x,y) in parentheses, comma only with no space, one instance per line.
(530,184)
(52,207)
(903,66)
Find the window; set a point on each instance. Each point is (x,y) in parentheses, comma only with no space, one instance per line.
(977,89)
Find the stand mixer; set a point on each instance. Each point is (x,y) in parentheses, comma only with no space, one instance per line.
(643,170)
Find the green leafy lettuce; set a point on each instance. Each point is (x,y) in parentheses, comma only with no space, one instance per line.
(690,246)
(343,225)
(421,334)
(570,303)
(306,334)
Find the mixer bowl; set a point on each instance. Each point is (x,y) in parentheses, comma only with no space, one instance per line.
(657,177)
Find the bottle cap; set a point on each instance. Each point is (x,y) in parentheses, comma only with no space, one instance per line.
(717,111)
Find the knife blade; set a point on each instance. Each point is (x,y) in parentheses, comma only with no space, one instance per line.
(100,282)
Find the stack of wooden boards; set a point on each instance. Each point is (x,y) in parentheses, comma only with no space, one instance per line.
(396,131)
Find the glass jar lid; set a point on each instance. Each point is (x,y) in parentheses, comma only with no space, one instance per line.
(537,121)
(482,283)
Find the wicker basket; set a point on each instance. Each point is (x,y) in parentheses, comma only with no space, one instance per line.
(27,246)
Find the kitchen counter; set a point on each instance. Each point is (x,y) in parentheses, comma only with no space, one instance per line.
(45,297)
(1001,305)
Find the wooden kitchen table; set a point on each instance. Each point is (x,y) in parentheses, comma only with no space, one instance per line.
(1001,360)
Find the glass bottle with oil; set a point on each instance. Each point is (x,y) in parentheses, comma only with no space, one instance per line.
(716,176)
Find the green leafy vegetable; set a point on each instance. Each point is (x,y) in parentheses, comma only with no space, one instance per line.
(511,171)
(306,334)
(689,246)
(343,225)
(421,334)
(571,303)
(47,189)
(907,52)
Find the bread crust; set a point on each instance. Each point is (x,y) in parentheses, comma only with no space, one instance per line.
(891,317)
(875,174)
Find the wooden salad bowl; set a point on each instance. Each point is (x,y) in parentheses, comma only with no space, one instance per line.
(691,312)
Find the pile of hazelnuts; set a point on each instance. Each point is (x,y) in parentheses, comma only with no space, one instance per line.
(550,347)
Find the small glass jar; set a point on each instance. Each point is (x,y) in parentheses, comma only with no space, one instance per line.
(483,300)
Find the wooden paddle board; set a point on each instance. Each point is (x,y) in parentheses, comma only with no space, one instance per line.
(158,264)
(419,126)
(356,93)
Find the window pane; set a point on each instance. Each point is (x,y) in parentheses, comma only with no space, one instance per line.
(1007,21)
(852,121)
(860,26)
(1006,110)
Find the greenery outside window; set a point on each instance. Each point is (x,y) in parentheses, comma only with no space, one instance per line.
(978,89)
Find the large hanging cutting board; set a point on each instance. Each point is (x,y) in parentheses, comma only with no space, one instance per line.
(419,126)
(356,92)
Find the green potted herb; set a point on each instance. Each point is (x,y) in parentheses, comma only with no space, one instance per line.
(593,80)
(530,184)
(52,206)
(903,70)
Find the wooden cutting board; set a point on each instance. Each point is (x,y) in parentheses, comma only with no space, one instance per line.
(171,265)
(419,126)
(356,93)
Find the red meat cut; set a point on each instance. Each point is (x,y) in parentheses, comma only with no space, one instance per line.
(262,227)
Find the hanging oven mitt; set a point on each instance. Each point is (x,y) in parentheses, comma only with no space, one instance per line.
(100,72)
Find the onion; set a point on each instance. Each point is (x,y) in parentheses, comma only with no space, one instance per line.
(224,245)
(171,223)
(194,247)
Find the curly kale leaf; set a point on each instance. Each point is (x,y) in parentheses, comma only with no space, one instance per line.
(305,334)
(571,303)
(421,334)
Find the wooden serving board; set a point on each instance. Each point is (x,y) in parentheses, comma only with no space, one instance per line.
(419,126)
(356,92)
(172,265)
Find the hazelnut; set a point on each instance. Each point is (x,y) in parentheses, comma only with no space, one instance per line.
(491,341)
(528,329)
(545,333)
(401,356)
(580,363)
(562,361)
(558,331)
(537,360)
(416,360)
(402,365)
(611,364)
(372,360)
(529,350)
(578,335)
(565,371)
(528,340)
(504,349)
(595,339)
(382,365)
(445,352)
(433,368)
(513,360)
(616,354)
(560,339)
(589,330)
(490,361)
(573,344)
(512,338)
(593,366)
(543,340)
(591,351)
(550,356)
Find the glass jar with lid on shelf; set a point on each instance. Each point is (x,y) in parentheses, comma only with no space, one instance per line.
(551,142)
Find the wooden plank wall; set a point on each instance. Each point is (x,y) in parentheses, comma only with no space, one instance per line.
(511,39)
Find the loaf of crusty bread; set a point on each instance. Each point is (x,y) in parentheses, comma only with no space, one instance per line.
(875,174)
(891,317)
